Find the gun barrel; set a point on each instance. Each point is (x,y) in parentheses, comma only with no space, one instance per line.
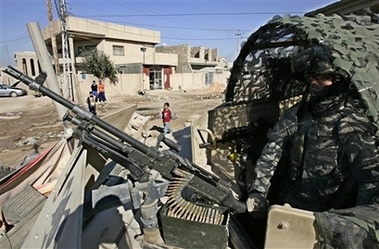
(209,186)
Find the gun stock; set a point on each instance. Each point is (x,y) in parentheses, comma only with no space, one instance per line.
(137,157)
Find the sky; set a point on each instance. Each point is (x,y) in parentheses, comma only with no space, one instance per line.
(221,24)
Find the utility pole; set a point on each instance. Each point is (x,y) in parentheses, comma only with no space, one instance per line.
(7,52)
(238,34)
(67,85)
(143,49)
(53,38)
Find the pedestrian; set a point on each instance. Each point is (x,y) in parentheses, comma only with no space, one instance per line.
(91,102)
(166,114)
(101,91)
(94,88)
(323,146)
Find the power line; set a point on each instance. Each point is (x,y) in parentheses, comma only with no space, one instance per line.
(184,28)
(195,14)
(200,39)
(147,9)
(15,39)
(177,38)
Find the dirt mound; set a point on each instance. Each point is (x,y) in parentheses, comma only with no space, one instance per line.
(216,88)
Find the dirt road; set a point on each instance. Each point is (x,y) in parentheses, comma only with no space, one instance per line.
(29,120)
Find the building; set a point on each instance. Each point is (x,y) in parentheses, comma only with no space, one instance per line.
(27,62)
(134,53)
(195,60)
(130,48)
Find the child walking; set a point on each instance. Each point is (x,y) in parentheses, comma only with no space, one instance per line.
(166,115)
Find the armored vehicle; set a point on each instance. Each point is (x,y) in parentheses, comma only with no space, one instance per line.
(261,86)
(102,188)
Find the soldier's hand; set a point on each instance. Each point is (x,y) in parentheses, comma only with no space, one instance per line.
(257,205)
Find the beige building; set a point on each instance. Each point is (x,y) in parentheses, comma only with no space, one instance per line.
(130,48)
(140,63)
(28,63)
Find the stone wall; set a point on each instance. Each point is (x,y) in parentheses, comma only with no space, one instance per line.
(183,51)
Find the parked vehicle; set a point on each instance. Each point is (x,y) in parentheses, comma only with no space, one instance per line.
(11,91)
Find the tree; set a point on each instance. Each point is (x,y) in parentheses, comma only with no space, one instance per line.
(100,65)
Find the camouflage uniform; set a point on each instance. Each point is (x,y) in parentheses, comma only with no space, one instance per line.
(355,227)
(325,153)
(332,159)
(324,146)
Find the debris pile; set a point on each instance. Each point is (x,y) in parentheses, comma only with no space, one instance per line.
(216,87)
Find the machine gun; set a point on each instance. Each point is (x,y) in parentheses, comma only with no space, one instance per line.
(132,154)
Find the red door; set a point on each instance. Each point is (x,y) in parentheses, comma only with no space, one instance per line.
(167,71)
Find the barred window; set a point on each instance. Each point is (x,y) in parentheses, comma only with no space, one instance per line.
(118,50)
(82,50)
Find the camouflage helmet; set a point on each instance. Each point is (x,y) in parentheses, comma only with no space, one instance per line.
(312,61)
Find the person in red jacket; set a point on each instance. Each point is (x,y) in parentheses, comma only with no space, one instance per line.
(166,114)
(101,92)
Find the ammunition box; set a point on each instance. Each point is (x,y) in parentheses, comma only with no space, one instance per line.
(191,234)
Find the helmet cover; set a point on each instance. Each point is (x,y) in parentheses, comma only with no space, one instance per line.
(312,61)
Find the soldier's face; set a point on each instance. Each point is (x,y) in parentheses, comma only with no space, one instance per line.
(320,81)
(319,85)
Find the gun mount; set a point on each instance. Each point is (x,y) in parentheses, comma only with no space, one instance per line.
(177,174)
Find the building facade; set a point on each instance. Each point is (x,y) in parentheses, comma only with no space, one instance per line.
(130,48)
(134,53)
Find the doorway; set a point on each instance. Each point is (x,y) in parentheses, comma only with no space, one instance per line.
(156,79)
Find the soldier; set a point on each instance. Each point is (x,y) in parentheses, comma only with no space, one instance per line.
(325,145)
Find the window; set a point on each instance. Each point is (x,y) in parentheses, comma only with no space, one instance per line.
(118,50)
(82,50)
(32,67)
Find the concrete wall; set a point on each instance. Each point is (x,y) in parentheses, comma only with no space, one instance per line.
(105,29)
(188,81)
(165,59)
(221,77)
(130,84)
